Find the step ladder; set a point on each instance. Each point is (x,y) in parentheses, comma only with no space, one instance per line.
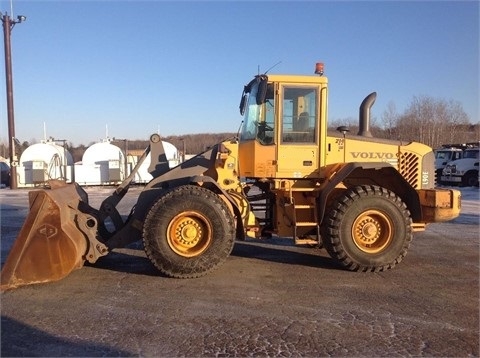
(297,208)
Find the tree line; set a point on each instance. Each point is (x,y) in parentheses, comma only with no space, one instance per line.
(426,120)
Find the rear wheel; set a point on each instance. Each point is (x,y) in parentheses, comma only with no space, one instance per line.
(367,229)
(188,232)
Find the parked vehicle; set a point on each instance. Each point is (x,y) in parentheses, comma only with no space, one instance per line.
(4,174)
(463,171)
(446,154)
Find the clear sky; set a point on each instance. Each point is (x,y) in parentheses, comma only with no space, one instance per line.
(131,68)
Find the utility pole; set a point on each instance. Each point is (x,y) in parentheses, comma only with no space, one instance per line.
(8,25)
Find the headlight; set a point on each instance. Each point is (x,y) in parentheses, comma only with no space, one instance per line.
(449,169)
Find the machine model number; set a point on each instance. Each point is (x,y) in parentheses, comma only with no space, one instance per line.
(340,142)
(425,177)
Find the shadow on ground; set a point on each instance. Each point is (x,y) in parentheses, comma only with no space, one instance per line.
(275,251)
(20,340)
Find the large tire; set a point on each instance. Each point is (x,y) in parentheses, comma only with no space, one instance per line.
(367,229)
(188,232)
(470,179)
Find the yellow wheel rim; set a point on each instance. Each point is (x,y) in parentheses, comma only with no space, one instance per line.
(372,231)
(189,234)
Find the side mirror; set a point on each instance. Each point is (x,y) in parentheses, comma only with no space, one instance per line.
(262,90)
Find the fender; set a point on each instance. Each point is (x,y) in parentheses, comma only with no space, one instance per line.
(203,178)
(381,174)
(219,190)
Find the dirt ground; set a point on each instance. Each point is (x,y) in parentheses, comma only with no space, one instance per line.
(269,299)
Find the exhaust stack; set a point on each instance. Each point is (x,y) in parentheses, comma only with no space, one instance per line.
(364,115)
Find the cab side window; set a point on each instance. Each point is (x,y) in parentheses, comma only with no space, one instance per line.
(299,113)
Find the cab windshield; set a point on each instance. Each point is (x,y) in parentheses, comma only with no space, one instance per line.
(258,123)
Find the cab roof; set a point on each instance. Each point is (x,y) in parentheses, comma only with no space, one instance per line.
(298,79)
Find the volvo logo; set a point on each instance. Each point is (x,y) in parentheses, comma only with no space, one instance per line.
(47,230)
(372,155)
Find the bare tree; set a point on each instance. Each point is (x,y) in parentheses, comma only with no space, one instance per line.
(432,121)
(389,120)
(350,122)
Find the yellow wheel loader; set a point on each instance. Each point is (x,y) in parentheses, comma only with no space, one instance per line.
(359,197)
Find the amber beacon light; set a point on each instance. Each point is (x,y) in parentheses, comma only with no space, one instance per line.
(319,68)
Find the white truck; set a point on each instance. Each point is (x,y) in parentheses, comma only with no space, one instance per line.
(444,155)
(463,171)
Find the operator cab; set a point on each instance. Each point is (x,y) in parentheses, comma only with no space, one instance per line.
(298,113)
(282,126)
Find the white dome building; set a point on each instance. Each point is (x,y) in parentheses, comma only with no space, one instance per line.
(44,161)
(102,164)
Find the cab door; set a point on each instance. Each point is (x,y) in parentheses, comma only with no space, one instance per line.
(298,146)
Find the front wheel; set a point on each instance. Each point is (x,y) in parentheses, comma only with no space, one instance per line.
(367,229)
(470,179)
(188,232)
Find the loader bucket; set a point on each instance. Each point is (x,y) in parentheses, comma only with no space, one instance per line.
(50,244)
